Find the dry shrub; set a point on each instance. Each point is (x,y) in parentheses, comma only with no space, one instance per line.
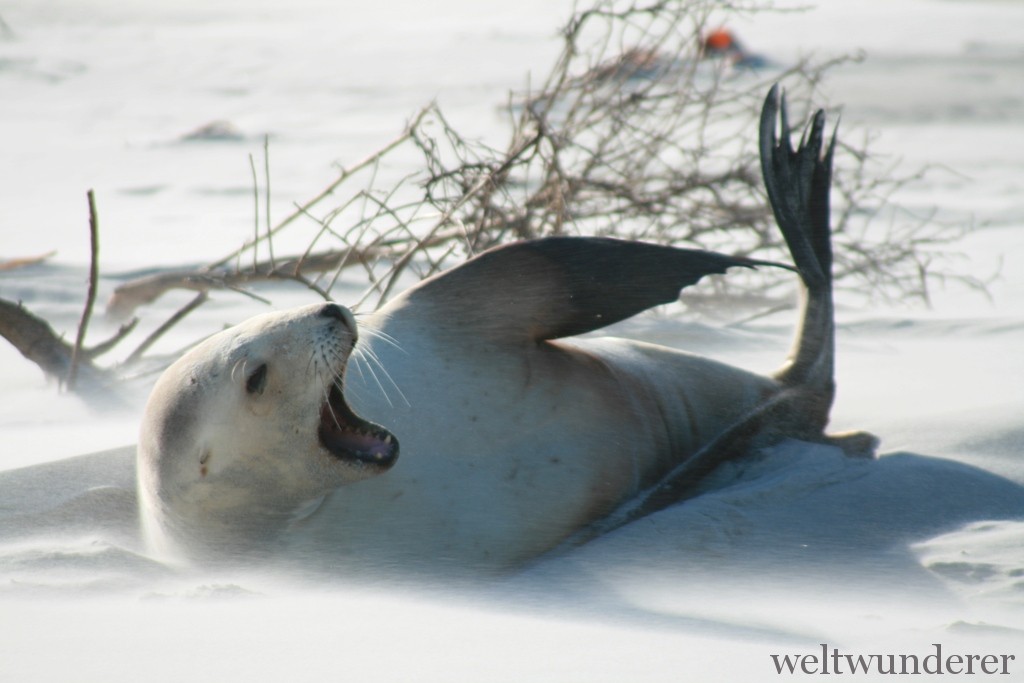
(634,134)
(631,134)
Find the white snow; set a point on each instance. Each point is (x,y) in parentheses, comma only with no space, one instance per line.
(794,548)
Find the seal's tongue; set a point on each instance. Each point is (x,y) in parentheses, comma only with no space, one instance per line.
(351,438)
(363,446)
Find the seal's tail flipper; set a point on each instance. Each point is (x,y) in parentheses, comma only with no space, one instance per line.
(798,183)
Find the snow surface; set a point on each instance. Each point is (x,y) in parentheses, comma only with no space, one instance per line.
(792,549)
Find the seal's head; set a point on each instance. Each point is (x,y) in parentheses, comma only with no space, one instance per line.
(249,430)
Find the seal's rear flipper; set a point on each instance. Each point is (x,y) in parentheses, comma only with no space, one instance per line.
(779,417)
(562,286)
(798,183)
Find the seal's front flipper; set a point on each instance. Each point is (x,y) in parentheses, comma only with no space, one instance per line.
(562,286)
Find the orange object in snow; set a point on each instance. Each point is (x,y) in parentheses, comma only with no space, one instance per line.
(719,40)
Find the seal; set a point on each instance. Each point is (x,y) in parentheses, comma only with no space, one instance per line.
(249,429)
(516,433)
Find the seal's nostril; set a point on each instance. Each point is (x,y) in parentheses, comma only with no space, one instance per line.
(342,315)
(334,311)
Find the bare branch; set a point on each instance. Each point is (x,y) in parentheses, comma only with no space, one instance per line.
(104,347)
(168,324)
(345,174)
(90,300)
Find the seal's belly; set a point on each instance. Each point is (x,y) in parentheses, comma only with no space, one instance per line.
(503,455)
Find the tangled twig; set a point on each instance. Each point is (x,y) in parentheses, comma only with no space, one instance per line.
(636,132)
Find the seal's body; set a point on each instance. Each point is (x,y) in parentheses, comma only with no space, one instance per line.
(515,433)
(508,447)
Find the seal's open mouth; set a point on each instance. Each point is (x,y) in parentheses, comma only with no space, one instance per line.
(351,438)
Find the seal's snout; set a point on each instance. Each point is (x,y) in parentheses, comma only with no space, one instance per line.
(342,433)
(342,315)
(333,310)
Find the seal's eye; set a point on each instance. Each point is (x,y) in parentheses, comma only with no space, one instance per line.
(257,381)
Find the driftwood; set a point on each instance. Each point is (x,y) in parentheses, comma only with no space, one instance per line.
(36,340)
(129,296)
(25,261)
(140,291)
(71,365)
